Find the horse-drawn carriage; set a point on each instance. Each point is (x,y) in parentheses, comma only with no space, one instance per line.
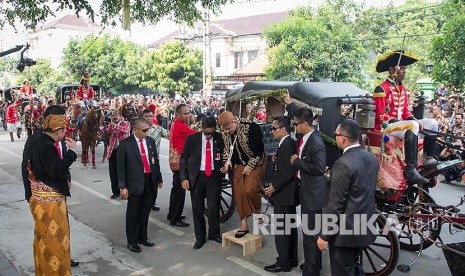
(418,219)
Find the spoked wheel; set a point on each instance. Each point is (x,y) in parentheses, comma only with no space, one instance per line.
(227,203)
(409,239)
(381,257)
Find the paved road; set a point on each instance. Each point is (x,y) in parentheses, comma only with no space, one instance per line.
(98,237)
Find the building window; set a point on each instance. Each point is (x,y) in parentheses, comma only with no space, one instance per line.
(238,58)
(218,60)
(252,55)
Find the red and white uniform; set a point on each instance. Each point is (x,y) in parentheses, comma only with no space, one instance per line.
(396,98)
(85,93)
(26,91)
(12,116)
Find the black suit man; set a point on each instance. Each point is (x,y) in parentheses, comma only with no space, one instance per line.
(310,163)
(284,193)
(199,169)
(139,177)
(353,184)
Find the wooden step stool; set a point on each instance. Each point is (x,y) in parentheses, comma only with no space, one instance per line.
(250,243)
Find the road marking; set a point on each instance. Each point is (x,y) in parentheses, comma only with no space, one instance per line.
(249,266)
(166,227)
(164,156)
(12,153)
(94,192)
(112,201)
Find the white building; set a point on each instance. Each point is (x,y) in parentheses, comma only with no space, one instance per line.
(234,44)
(50,40)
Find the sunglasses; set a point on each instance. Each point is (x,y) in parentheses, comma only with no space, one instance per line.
(298,123)
(275,128)
(144,130)
(338,134)
(208,133)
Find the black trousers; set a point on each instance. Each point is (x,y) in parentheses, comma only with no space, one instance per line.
(112,167)
(138,211)
(286,245)
(177,198)
(312,253)
(206,188)
(345,260)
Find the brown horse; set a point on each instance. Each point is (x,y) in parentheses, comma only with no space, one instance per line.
(88,129)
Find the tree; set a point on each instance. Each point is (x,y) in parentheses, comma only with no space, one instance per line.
(109,61)
(384,29)
(448,49)
(33,12)
(172,68)
(315,45)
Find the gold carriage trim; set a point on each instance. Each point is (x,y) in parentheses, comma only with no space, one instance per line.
(406,126)
(379,95)
(315,110)
(46,194)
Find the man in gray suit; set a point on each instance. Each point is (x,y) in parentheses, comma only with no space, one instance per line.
(139,177)
(310,163)
(353,185)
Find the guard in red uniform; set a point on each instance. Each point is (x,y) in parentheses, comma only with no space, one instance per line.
(394,117)
(12,119)
(85,92)
(26,90)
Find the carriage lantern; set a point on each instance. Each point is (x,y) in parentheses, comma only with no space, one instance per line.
(366,113)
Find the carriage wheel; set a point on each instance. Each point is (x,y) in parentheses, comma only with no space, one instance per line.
(227,203)
(409,239)
(381,257)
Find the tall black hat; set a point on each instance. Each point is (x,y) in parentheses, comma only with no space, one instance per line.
(395,58)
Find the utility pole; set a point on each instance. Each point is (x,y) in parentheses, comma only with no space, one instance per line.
(207,71)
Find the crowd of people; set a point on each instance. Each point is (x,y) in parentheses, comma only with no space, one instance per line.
(199,156)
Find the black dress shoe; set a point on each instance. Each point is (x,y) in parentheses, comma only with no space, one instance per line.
(180,224)
(74,263)
(198,245)
(147,243)
(134,248)
(114,196)
(302,266)
(168,217)
(217,239)
(155,208)
(275,268)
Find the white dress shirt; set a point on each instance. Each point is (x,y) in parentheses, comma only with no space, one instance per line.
(145,147)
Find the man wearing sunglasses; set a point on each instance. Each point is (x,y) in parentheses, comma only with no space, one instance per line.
(310,163)
(139,178)
(284,193)
(199,169)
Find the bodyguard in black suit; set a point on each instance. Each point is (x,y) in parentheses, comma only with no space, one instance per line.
(310,163)
(284,193)
(353,184)
(139,177)
(199,169)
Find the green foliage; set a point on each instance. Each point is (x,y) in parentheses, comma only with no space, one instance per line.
(448,49)
(109,61)
(384,29)
(33,12)
(315,45)
(172,68)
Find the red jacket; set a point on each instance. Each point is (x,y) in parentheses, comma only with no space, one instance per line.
(178,136)
(11,114)
(26,91)
(84,93)
(396,98)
